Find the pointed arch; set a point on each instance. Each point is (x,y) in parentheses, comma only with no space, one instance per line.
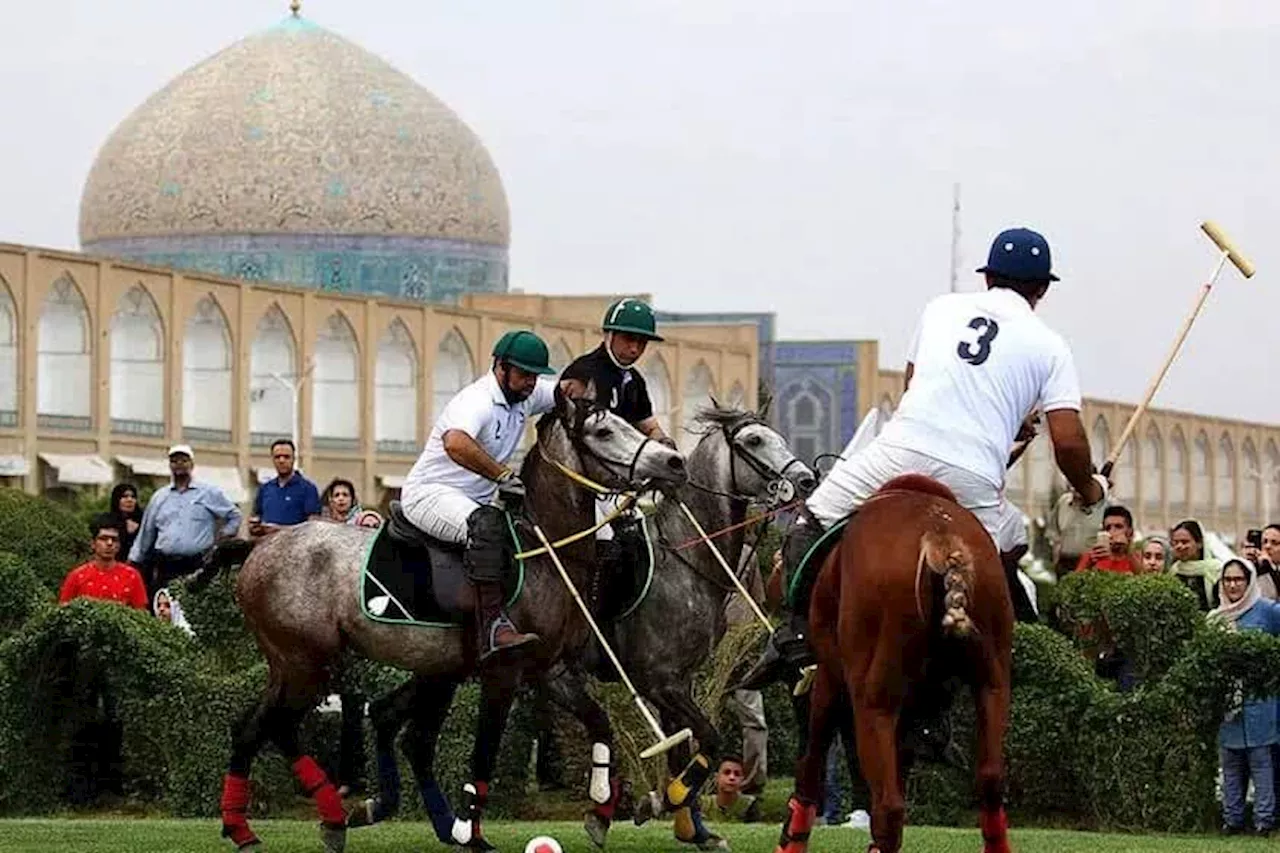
(1100,440)
(335,388)
(1271,475)
(1224,475)
(1201,475)
(8,356)
(64,390)
(207,363)
(1152,469)
(657,379)
(804,413)
(1126,472)
(1179,472)
(273,379)
(454,368)
(561,355)
(1251,481)
(395,403)
(137,365)
(699,388)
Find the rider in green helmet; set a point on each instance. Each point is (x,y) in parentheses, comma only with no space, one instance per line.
(609,374)
(449,493)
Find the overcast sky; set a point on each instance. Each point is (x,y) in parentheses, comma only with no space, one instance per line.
(789,157)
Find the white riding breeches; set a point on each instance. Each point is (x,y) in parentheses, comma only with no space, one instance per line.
(606,505)
(440,511)
(854,480)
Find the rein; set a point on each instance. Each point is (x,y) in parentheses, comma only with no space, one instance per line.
(623,506)
(779,487)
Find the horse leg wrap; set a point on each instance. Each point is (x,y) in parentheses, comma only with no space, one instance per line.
(467,831)
(599,787)
(995,831)
(685,787)
(317,785)
(437,805)
(235,810)
(797,826)
(606,809)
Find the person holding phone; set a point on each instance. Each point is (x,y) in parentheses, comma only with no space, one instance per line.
(1113,550)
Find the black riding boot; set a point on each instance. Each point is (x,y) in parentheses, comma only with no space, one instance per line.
(787,651)
(486,561)
(618,557)
(1023,610)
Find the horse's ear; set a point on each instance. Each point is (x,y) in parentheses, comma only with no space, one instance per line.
(765,405)
(715,404)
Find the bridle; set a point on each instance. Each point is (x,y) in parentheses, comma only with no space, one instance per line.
(778,489)
(624,471)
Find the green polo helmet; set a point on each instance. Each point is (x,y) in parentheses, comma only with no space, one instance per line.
(633,317)
(525,350)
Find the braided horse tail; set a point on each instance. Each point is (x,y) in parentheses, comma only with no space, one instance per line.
(948,557)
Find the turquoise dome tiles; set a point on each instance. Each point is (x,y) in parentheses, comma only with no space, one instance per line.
(404,267)
(295,156)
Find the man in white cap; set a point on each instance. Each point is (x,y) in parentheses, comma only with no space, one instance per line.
(183,520)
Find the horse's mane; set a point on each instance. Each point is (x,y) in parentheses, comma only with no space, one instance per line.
(918,483)
(716,417)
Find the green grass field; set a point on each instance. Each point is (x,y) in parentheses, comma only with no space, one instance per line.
(278,836)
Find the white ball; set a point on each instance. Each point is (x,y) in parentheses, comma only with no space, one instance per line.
(543,844)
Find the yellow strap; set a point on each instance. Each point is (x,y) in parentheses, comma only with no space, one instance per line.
(574,475)
(628,500)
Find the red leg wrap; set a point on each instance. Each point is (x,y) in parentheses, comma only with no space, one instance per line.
(796,828)
(482,797)
(235,810)
(606,810)
(995,831)
(317,786)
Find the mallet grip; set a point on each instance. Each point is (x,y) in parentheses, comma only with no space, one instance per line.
(1219,238)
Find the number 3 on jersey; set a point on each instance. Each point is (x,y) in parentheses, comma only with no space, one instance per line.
(977,352)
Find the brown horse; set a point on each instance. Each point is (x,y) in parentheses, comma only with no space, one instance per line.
(914,595)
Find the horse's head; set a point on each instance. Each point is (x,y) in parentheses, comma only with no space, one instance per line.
(615,454)
(752,459)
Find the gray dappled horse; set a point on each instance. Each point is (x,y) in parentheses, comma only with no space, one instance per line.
(738,460)
(300,593)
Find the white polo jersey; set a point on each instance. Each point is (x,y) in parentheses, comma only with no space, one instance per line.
(482,412)
(983,362)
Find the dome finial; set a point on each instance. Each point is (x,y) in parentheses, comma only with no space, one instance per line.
(295,6)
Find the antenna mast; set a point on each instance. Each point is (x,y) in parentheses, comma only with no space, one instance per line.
(955,234)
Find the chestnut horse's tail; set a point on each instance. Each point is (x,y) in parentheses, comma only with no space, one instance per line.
(947,556)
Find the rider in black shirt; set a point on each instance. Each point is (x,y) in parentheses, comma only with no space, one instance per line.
(628,327)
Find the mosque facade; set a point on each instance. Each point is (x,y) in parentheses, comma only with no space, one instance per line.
(293,238)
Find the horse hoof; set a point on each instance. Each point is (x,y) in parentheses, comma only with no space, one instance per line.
(597,828)
(713,842)
(334,838)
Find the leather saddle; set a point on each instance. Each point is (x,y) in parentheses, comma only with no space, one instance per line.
(414,578)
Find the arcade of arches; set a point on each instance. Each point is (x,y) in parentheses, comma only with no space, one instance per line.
(125,360)
(1176,465)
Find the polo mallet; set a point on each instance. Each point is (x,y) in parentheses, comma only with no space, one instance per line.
(1070,531)
(1226,252)
(664,743)
(724,564)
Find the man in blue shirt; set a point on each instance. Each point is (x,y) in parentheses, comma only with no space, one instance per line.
(287,500)
(181,524)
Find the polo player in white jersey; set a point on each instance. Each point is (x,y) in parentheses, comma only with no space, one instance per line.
(464,465)
(979,366)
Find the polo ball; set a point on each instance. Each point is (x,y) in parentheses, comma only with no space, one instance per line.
(543,844)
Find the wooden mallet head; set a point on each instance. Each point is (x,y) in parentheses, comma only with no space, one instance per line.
(1220,240)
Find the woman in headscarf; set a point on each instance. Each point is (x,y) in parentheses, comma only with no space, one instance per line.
(1156,554)
(338,503)
(1249,730)
(1198,574)
(167,609)
(128,512)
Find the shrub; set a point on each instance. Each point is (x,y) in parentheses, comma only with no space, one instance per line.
(21,593)
(47,536)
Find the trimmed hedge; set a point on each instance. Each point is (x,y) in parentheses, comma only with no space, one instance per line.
(1080,752)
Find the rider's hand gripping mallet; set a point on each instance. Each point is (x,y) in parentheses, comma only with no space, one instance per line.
(1226,252)
(664,743)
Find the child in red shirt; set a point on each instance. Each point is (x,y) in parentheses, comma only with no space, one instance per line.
(104,577)
(1116,555)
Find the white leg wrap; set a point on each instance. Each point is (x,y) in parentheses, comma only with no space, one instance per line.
(599,789)
(461,831)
